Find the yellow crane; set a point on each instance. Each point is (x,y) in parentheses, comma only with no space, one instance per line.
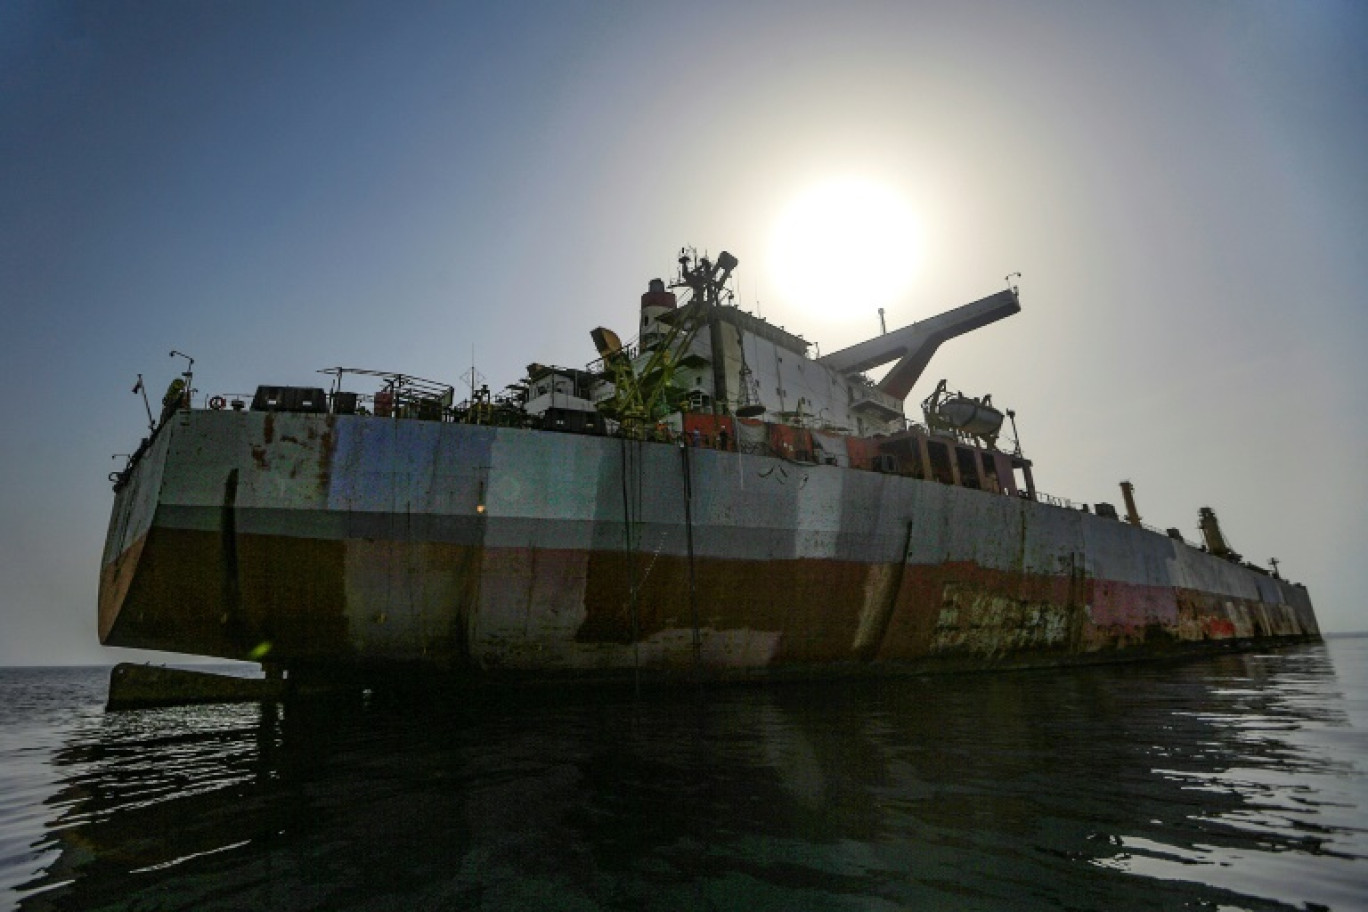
(644,390)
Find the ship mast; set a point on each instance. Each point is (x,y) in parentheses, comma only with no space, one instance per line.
(707,280)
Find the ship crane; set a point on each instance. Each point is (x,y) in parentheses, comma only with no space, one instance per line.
(644,392)
(914,345)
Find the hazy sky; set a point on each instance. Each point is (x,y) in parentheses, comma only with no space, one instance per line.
(280,187)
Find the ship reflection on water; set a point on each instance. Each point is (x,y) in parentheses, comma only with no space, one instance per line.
(1213,783)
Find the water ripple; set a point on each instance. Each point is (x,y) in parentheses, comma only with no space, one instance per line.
(1233,783)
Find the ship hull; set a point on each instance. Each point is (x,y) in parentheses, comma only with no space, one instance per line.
(338,543)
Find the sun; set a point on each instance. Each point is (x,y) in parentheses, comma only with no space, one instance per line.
(842,244)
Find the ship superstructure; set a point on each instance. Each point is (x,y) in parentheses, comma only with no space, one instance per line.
(707,499)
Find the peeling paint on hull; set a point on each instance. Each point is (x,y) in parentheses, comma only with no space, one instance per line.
(350,541)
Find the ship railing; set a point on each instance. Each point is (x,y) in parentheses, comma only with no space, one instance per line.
(1067,504)
(1155,529)
(364,405)
(502,410)
(1056,501)
(237,401)
(1148,528)
(217,401)
(600,367)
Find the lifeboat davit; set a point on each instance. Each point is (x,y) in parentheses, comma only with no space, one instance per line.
(971,416)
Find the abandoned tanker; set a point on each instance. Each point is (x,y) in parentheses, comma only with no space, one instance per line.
(709,501)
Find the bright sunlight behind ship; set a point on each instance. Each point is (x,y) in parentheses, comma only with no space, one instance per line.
(842,243)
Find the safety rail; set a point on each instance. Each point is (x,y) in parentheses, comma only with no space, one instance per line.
(243,401)
(1067,504)
(1156,529)
(217,401)
(364,406)
(1055,501)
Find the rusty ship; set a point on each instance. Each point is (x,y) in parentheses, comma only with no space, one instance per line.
(705,500)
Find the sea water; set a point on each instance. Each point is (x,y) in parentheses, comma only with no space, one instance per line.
(1237,782)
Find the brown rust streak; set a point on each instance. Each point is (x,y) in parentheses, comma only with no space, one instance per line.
(953,611)
(173,600)
(816,604)
(929,590)
(290,591)
(427,589)
(165,592)
(327,446)
(115,579)
(459,564)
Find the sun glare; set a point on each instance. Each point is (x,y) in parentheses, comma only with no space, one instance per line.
(843,244)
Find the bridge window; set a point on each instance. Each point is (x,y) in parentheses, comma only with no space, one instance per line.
(990,473)
(968,467)
(940,462)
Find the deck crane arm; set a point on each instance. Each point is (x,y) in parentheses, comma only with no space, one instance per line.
(914,345)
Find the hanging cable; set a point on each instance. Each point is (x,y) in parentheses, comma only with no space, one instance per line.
(627,524)
(688,539)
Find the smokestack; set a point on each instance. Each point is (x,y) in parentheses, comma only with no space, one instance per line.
(1128,492)
(658,296)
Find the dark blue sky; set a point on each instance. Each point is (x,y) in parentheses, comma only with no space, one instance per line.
(282,187)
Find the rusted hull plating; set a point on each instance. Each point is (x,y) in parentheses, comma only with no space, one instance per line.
(349,541)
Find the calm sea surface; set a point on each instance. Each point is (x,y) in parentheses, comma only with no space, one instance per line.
(1234,783)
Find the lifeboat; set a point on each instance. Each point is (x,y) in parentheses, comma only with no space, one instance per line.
(972,416)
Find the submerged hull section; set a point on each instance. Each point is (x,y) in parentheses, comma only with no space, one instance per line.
(336,541)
